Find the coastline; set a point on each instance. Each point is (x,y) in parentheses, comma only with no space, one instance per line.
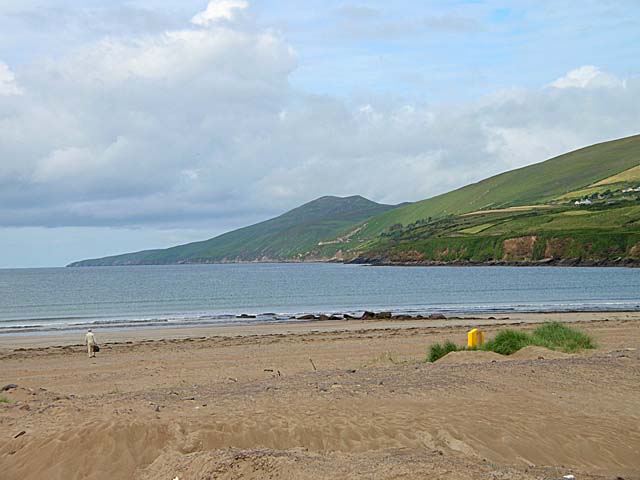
(302,327)
(383,262)
(547,262)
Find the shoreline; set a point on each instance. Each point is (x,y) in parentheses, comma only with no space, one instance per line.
(546,262)
(373,262)
(254,319)
(10,342)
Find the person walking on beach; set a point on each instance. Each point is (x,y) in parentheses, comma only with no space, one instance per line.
(90,340)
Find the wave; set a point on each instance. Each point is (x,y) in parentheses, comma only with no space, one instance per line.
(71,324)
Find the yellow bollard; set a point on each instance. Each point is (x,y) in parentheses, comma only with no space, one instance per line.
(475,338)
(472,338)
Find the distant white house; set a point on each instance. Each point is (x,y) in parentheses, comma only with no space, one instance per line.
(584,201)
(627,190)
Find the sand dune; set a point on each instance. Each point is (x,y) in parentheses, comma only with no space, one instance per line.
(94,450)
(537,353)
(471,356)
(478,356)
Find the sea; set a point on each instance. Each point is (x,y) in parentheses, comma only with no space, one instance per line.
(56,300)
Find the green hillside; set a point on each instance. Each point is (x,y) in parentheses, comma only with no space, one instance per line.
(291,236)
(580,208)
(606,232)
(535,184)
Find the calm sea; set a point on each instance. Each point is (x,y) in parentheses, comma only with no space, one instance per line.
(68,299)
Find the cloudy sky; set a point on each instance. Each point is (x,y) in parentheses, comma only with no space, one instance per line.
(134,124)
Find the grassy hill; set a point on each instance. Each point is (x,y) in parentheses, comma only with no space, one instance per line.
(291,236)
(525,215)
(561,178)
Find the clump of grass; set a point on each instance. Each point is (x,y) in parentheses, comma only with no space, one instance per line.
(552,335)
(439,350)
(557,336)
(4,399)
(507,342)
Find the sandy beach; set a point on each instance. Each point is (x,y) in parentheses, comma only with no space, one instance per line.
(333,399)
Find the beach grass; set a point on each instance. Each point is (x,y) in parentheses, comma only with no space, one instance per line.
(558,336)
(551,335)
(439,350)
(507,342)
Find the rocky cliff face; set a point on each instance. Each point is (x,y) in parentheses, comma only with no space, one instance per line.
(519,249)
(562,250)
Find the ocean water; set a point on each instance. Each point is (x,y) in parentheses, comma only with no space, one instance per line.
(71,299)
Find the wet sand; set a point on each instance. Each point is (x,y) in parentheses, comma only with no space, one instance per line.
(10,342)
(333,399)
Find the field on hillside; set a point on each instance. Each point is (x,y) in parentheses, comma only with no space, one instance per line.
(599,233)
(535,184)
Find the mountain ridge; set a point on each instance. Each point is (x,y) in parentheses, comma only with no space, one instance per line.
(286,237)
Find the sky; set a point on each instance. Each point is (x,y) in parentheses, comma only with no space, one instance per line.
(129,125)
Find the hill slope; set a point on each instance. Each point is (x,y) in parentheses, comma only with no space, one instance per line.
(581,208)
(535,184)
(599,234)
(290,236)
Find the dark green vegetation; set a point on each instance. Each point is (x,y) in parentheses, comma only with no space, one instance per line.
(290,236)
(552,335)
(4,399)
(558,336)
(507,342)
(525,216)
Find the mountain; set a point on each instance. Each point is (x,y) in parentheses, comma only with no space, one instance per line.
(292,236)
(527,215)
(521,216)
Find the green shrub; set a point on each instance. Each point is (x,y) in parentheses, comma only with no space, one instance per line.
(437,350)
(4,400)
(557,336)
(507,342)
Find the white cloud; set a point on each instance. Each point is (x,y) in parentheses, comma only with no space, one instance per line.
(194,127)
(214,55)
(587,76)
(8,85)
(218,10)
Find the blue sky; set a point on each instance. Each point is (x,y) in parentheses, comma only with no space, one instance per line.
(433,50)
(142,124)
(457,50)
